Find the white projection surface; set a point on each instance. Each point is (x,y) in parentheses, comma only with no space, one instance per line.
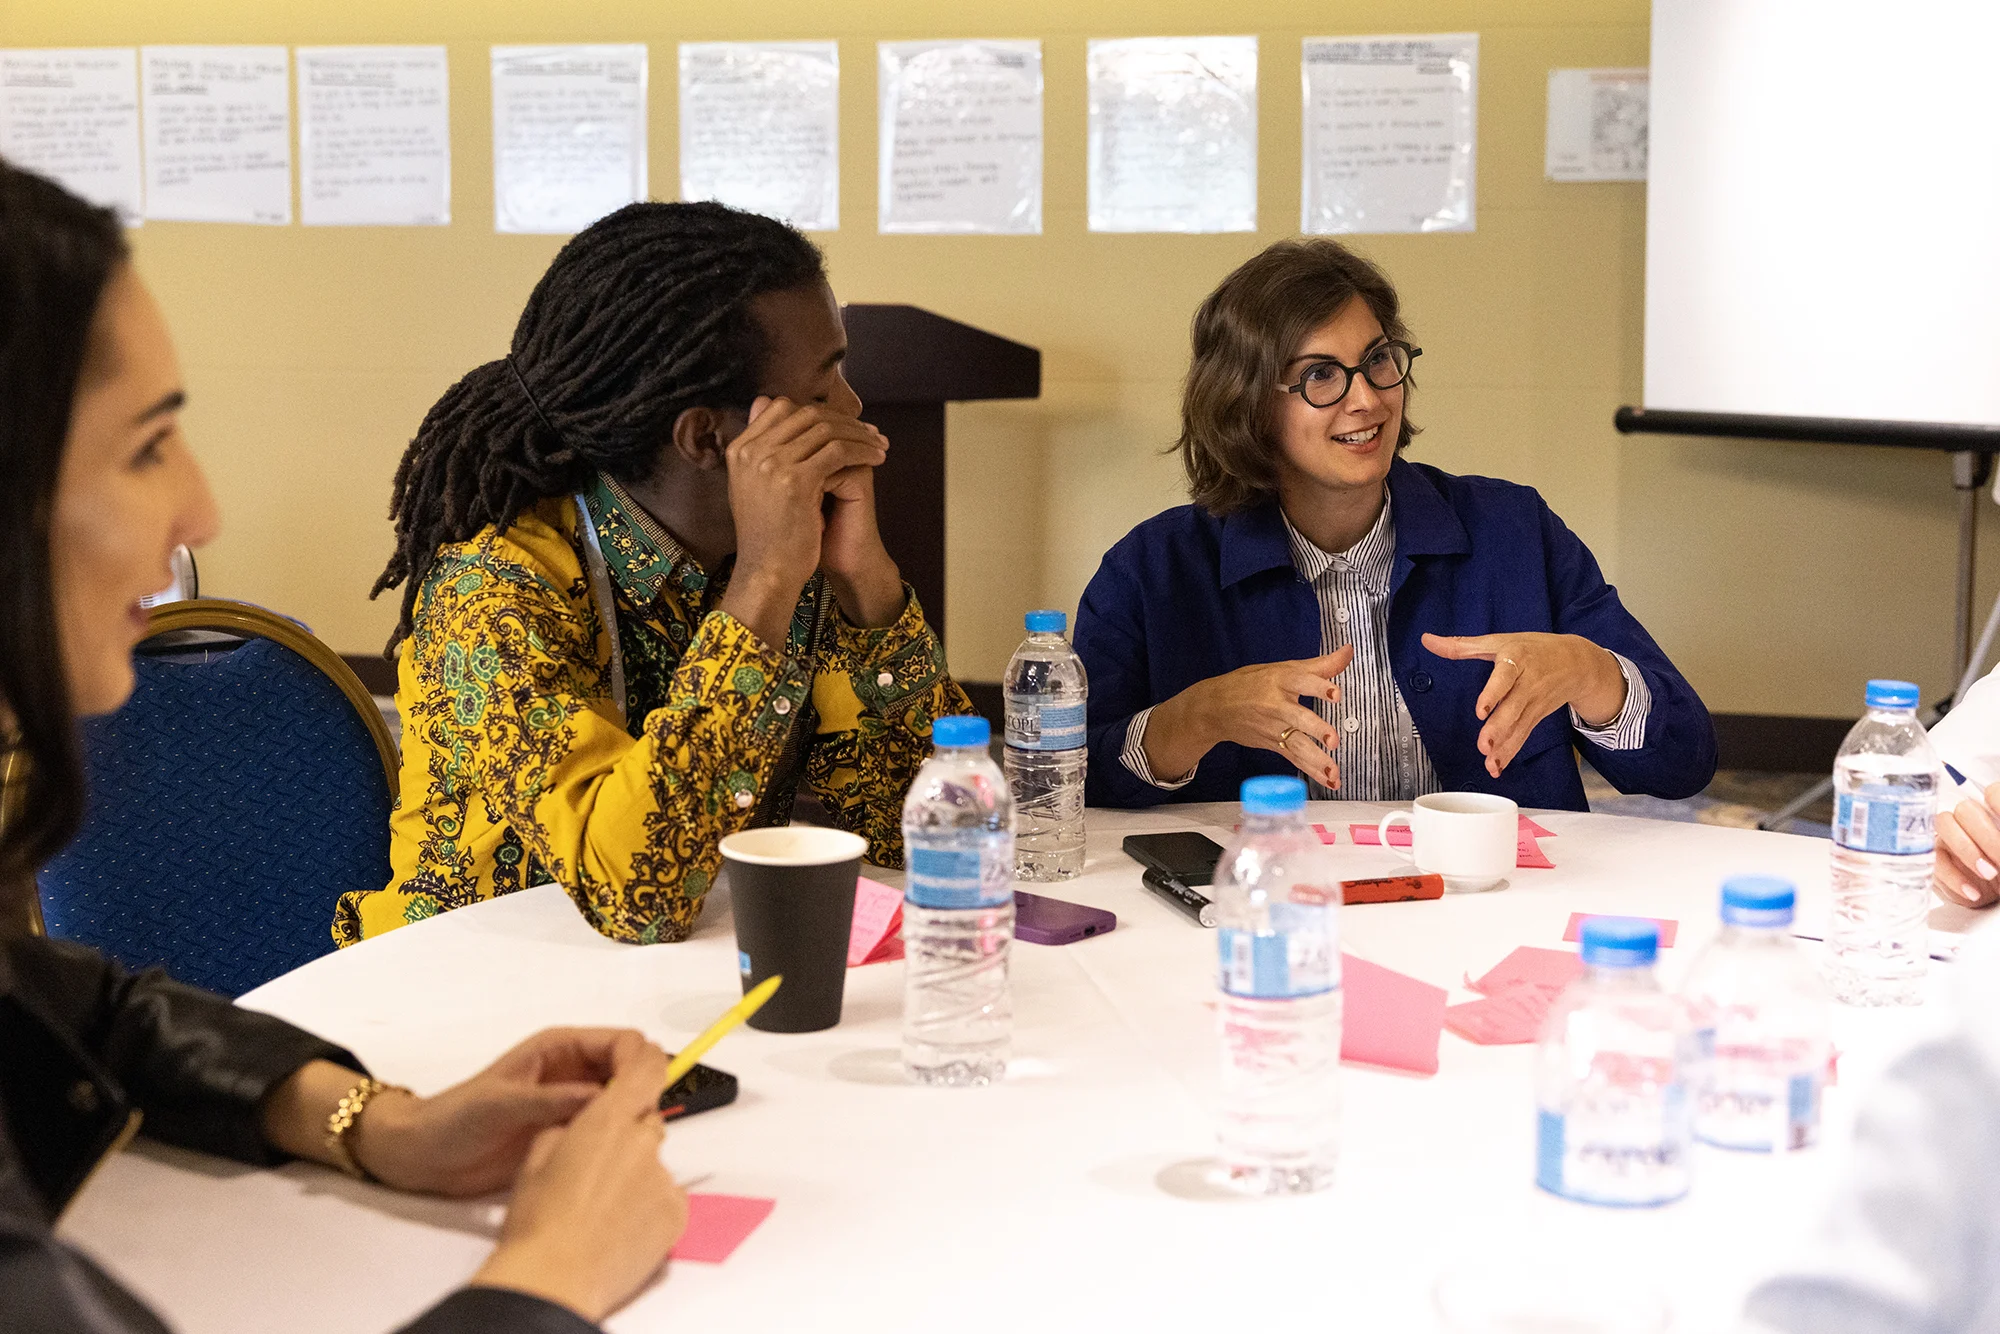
(1823,210)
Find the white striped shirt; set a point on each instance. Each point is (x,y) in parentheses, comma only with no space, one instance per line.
(1381,755)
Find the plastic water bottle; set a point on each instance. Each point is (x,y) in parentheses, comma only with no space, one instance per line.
(958,911)
(1761,1017)
(1884,814)
(1278,897)
(1046,694)
(1613,1124)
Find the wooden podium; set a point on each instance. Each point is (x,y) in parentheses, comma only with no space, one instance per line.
(906,364)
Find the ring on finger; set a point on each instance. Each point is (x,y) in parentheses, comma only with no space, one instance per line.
(1285,736)
(1510,662)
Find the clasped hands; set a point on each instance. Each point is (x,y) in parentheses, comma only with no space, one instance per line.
(802,494)
(1968,845)
(1259,706)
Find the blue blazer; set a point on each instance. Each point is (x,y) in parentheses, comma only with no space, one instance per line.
(1186,596)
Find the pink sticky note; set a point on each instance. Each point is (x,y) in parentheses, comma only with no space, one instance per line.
(1548,970)
(1390,1019)
(1326,835)
(717,1225)
(1527,853)
(1514,1014)
(1668,927)
(878,913)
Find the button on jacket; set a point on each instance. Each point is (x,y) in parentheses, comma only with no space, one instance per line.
(1186,596)
(89,1052)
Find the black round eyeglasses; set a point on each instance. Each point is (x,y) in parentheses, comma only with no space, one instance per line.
(1324,382)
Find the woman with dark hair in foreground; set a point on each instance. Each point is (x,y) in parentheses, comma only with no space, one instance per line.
(97,488)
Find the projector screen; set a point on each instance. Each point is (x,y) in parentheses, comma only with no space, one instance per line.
(1823,209)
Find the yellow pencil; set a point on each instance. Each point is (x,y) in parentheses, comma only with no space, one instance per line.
(685,1059)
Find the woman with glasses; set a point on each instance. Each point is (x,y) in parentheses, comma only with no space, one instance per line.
(1327,607)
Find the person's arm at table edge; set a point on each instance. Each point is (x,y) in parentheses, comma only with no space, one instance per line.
(1111,645)
(1678,757)
(866,796)
(583,811)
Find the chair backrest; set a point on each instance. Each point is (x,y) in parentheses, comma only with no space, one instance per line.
(237,795)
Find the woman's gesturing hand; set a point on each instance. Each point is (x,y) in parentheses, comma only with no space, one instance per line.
(1968,844)
(1533,676)
(1256,706)
(472,1138)
(781,468)
(594,1210)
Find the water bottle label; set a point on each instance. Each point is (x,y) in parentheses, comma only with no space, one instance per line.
(1034,723)
(1296,958)
(1634,1158)
(1889,820)
(975,877)
(1758,1109)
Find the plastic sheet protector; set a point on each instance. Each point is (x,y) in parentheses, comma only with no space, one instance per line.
(73,116)
(1597,124)
(218,133)
(1389,134)
(760,128)
(569,135)
(961,127)
(1173,134)
(374,136)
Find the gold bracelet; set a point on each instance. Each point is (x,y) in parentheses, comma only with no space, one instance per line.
(345,1115)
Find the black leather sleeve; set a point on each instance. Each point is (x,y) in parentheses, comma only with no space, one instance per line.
(497,1311)
(47,1288)
(196,1065)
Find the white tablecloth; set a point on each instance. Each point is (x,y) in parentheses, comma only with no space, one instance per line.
(1073,1195)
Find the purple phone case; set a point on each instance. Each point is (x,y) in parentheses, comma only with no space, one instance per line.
(1045,921)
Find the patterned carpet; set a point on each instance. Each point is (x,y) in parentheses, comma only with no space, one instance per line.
(1738,798)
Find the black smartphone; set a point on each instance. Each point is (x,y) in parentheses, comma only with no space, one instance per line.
(1185,855)
(699,1090)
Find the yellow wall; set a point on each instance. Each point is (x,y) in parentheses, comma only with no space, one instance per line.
(1780,576)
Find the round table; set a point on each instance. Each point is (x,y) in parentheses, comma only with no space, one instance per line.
(1073,1195)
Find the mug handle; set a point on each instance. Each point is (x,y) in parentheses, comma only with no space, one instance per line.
(1382,833)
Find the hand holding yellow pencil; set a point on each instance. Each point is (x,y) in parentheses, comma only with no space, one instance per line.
(686,1058)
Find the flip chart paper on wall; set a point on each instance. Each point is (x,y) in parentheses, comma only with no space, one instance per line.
(374,136)
(961,127)
(73,116)
(569,135)
(1390,126)
(1173,134)
(218,133)
(760,128)
(1597,125)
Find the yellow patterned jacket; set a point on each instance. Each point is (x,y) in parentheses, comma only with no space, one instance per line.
(518,770)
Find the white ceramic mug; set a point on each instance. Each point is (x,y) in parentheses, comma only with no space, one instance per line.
(1469,838)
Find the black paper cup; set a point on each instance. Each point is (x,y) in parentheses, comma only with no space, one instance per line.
(792,892)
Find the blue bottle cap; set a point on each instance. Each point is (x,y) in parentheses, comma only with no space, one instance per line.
(1619,942)
(1273,795)
(1885,694)
(1047,622)
(961,731)
(1758,900)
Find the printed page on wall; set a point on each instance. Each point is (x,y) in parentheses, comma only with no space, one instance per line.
(569,135)
(961,126)
(374,136)
(73,116)
(1173,134)
(1597,124)
(1390,133)
(760,128)
(218,133)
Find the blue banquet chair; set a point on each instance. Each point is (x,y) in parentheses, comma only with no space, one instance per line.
(240,792)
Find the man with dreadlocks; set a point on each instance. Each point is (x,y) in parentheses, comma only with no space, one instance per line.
(644,594)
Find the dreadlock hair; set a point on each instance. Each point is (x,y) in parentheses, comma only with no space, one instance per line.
(642,315)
